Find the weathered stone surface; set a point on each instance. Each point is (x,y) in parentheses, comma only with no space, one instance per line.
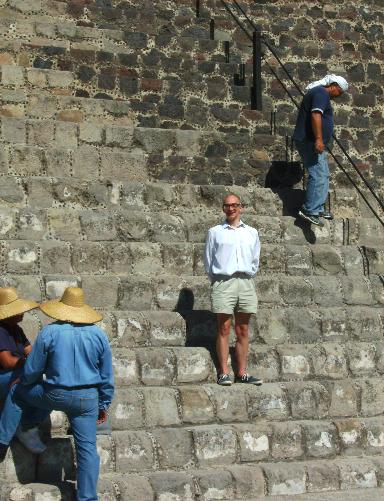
(295,362)
(157,366)
(125,367)
(197,407)
(135,294)
(134,451)
(215,486)
(231,405)
(320,440)
(357,475)
(372,397)
(174,485)
(161,407)
(285,480)
(126,412)
(268,401)
(193,365)
(98,226)
(329,360)
(322,477)
(286,441)
(175,447)
(344,399)
(214,445)
(55,257)
(308,400)
(123,165)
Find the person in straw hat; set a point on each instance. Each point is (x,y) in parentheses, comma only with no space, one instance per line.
(74,356)
(14,350)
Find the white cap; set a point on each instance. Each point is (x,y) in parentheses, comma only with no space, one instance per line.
(328,80)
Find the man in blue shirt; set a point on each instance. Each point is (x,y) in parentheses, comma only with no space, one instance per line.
(313,131)
(75,359)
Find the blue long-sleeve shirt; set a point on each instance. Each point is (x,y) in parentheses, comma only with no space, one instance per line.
(71,355)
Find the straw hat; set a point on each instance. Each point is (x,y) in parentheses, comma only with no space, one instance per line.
(11,305)
(71,308)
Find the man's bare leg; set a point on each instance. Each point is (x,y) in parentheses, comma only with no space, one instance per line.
(222,341)
(242,341)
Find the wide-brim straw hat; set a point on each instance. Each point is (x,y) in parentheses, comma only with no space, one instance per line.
(11,305)
(71,308)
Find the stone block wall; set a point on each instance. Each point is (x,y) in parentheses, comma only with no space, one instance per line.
(121,131)
(141,60)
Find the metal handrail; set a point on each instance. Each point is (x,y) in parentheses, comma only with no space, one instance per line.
(271,49)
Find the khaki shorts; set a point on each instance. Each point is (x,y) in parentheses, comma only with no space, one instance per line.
(234,295)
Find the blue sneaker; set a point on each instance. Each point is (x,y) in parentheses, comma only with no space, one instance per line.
(326,215)
(224,380)
(310,218)
(246,378)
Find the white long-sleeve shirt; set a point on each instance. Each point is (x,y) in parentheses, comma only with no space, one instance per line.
(230,250)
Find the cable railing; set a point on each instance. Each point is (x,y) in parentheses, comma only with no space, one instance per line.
(257,39)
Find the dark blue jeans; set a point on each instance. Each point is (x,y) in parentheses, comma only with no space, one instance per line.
(318,177)
(82,408)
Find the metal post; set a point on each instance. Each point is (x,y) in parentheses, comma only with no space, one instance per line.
(197,8)
(226,49)
(212,29)
(256,97)
(242,73)
(239,78)
(286,148)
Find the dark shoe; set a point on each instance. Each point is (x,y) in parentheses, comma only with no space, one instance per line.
(326,215)
(246,378)
(31,440)
(311,218)
(224,380)
(3,451)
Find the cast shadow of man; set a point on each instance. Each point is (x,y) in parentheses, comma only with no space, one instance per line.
(201,326)
(55,466)
(292,199)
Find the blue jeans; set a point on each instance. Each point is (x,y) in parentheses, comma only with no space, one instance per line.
(82,408)
(318,177)
(6,378)
(31,416)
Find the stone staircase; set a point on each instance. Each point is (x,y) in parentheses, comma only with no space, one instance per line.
(106,185)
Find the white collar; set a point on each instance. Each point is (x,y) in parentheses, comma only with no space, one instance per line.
(227,225)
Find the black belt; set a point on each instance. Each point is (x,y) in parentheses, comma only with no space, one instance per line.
(83,387)
(238,274)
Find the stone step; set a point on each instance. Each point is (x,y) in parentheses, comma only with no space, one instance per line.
(58,176)
(254,417)
(153,102)
(128,224)
(288,362)
(171,292)
(271,327)
(372,494)
(165,367)
(140,408)
(70,122)
(186,258)
(264,446)
(233,482)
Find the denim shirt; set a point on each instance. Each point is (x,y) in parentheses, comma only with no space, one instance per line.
(72,355)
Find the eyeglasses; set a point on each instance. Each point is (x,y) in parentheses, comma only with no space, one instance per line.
(231,206)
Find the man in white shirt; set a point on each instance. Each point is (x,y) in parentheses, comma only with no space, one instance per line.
(231,259)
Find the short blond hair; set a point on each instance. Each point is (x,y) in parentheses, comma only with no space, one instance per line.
(232,195)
